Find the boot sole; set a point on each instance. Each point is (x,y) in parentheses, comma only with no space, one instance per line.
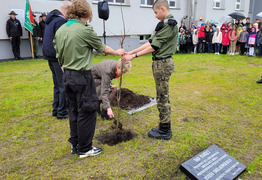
(164,138)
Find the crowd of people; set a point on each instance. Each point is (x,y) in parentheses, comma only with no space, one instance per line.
(235,37)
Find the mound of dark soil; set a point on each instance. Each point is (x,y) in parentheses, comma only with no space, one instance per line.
(130,100)
(116,136)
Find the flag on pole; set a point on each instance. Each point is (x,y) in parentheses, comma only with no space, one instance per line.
(29,18)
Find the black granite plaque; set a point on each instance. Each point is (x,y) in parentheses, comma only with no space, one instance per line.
(212,164)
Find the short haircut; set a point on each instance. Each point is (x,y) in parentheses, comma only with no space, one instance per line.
(80,9)
(126,66)
(65,4)
(158,3)
(248,18)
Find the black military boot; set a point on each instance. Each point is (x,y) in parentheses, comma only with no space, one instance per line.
(259,81)
(163,132)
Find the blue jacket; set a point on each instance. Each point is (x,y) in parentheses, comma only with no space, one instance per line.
(54,20)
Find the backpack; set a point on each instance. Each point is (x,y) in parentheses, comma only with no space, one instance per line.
(103,10)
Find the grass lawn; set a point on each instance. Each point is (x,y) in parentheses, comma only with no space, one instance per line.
(215,100)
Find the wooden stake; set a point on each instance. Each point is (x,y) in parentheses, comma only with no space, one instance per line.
(32,49)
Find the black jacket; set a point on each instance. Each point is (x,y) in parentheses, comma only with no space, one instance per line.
(209,36)
(13,28)
(36,32)
(42,28)
(54,20)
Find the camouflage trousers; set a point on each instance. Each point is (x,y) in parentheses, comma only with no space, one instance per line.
(162,71)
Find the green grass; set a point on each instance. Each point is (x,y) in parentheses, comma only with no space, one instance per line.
(215,100)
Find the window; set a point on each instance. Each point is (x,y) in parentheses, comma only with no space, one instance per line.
(144,38)
(113,1)
(238,4)
(172,3)
(217,4)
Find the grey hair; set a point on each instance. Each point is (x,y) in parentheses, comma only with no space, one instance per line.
(126,66)
(65,4)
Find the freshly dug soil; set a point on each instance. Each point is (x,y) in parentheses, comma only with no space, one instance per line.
(116,136)
(130,100)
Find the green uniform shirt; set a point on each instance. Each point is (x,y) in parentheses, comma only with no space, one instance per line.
(165,40)
(74,43)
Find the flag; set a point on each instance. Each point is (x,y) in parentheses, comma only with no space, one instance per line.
(29,18)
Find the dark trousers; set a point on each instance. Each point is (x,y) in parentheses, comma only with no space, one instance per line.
(16,46)
(82,104)
(242,48)
(209,47)
(260,50)
(182,48)
(217,47)
(59,102)
(188,47)
(225,49)
(201,47)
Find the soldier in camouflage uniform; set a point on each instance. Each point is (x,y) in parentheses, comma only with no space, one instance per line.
(162,44)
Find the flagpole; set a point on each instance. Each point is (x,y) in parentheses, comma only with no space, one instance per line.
(31,43)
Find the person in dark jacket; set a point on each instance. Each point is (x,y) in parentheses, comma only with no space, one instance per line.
(54,20)
(42,27)
(189,42)
(14,33)
(103,72)
(209,36)
(35,37)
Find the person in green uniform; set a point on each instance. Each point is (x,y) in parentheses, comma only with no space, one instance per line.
(74,43)
(162,44)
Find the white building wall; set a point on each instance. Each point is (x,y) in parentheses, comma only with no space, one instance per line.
(138,20)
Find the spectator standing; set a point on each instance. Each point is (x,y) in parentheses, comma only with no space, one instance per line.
(14,33)
(189,42)
(217,39)
(209,36)
(195,40)
(239,29)
(259,42)
(233,35)
(54,20)
(225,40)
(182,41)
(201,40)
(42,27)
(243,40)
(183,26)
(252,41)
(247,22)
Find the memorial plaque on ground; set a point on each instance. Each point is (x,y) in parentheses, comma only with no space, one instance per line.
(212,164)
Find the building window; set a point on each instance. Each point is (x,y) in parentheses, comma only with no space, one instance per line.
(172,3)
(238,4)
(144,38)
(113,1)
(217,4)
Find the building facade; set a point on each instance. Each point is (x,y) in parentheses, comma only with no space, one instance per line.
(138,18)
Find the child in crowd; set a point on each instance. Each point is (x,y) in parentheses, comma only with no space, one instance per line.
(201,40)
(182,41)
(195,40)
(225,40)
(188,42)
(209,37)
(239,29)
(233,35)
(259,42)
(217,39)
(252,41)
(243,40)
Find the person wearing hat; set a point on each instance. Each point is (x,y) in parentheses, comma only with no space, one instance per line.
(42,26)
(14,33)
(35,37)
